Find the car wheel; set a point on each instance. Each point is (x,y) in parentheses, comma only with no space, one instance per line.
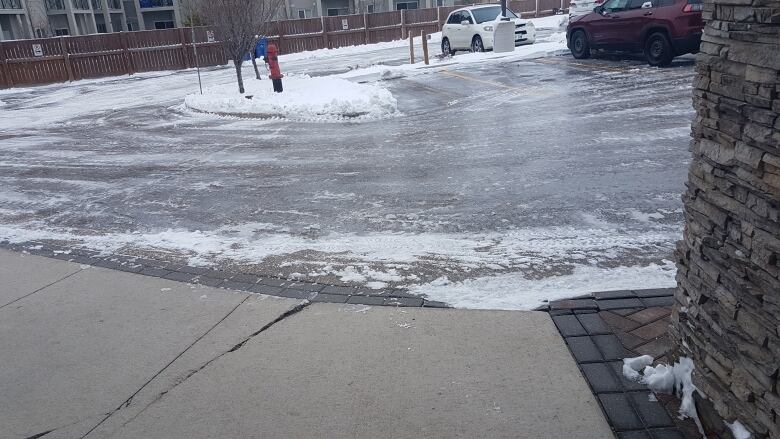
(476,44)
(658,50)
(445,47)
(580,48)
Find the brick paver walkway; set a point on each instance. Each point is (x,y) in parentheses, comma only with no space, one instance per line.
(603,328)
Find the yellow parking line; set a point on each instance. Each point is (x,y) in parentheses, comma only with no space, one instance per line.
(483,81)
(581,65)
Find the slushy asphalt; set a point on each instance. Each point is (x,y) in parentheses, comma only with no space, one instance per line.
(97,353)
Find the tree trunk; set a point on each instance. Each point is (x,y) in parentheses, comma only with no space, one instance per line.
(237,64)
(254,64)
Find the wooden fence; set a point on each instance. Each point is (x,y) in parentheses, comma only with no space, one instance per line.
(48,60)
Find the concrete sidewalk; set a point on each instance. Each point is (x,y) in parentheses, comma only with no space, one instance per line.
(92,352)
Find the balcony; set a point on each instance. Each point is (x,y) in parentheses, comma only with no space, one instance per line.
(156,3)
(10,4)
(55,5)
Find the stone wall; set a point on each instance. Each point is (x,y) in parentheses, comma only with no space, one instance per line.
(728,313)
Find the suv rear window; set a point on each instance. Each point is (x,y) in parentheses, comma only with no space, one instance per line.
(489,14)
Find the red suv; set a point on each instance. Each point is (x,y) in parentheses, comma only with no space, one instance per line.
(662,29)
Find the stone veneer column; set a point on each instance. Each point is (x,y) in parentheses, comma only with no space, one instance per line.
(728,313)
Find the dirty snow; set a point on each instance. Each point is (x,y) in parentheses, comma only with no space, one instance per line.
(303,97)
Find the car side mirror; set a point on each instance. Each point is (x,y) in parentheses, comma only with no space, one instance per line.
(599,10)
(464,23)
(647,5)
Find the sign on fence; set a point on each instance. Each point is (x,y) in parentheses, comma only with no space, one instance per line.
(210,36)
(37,50)
(344,24)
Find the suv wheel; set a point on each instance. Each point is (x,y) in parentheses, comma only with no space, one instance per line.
(446,48)
(476,44)
(580,48)
(658,50)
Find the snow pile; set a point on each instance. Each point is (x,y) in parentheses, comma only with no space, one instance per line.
(738,430)
(663,378)
(303,98)
(557,22)
(520,291)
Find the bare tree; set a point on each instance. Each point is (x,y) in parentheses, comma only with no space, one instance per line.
(237,23)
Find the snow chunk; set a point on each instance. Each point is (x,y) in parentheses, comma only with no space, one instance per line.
(738,430)
(676,379)
(308,98)
(638,363)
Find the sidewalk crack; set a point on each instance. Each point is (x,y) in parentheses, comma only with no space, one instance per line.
(290,312)
(42,288)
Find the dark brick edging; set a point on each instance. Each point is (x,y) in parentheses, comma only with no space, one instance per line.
(628,406)
(252,283)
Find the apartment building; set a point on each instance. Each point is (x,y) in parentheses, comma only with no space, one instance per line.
(317,8)
(46,18)
(14,20)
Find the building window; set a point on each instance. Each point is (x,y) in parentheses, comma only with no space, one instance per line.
(370,9)
(155,3)
(39,33)
(61,32)
(301,13)
(405,5)
(101,28)
(163,25)
(130,26)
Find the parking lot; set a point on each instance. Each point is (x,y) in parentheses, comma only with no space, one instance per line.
(548,173)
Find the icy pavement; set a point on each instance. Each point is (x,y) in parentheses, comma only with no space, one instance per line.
(502,183)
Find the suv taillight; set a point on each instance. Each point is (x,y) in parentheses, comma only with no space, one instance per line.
(695,7)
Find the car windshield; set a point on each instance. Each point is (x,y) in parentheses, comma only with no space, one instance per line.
(482,15)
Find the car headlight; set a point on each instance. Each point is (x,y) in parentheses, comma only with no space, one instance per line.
(488,28)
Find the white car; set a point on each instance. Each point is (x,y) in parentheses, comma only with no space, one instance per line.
(582,7)
(471,28)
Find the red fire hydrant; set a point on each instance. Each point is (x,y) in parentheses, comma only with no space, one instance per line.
(272,58)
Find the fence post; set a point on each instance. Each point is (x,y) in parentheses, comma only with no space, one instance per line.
(184,58)
(6,72)
(281,37)
(438,16)
(424,37)
(536,9)
(365,27)
(126,52)
(325,43)
(66,58)
(411,47)
(403,24)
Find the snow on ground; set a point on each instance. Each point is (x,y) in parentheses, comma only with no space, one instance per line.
(516,291)
(489,271)
(546,46)
(303,98)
